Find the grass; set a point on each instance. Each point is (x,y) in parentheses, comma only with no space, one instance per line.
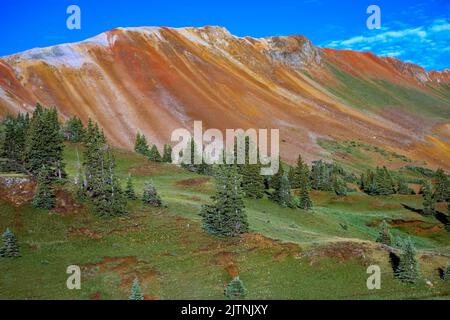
(289,254)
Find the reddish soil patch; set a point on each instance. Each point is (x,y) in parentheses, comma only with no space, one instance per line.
(17,191)
(192,182)
(415,227)
(84,232)
(127,268)
(343,251)
(227,260)
(66,204)
(152,168)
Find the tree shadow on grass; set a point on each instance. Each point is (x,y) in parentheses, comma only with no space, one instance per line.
(395,261)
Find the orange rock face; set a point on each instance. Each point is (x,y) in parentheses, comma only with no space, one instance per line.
(158,79)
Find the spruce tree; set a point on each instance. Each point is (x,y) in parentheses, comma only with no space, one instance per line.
(252,180)
(141,145)
(384,235)
(282,195)
(339,185)
(226,216)
(300,175)
(154,155)
(442,187)
(10,248)
(403,188)
(408,268)
(73,130)
(44,197)
(167,154)
(446,275)
(235,290)
(13,141)
(136,293)
(44,143)
(428,200)
(150,196)
(129,191)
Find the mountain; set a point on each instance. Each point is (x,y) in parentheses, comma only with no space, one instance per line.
(157,79)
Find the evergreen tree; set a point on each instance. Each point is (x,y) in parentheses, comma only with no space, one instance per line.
(339,185)
(275,180)
(129,191)
(300,175)
(235,289)
(226,216)
(73,130)
(403,188)
(10,248)
(282,195)
(252,180)
(154,155)
(151,196)
(141,145)
(442,187)
(428,200)
(304,201)
(384,235)
(446,275)
(13,141)
(408,268)
(44,143)
(167,155)
(321,176)
(44,197)
(136,293)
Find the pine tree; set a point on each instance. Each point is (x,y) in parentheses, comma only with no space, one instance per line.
(252,180)
(403,188)
(44,143)
(408,268)
(339,185)
(13,141)
(384,235)
(167,155)
(136,293)
(235,289)
(299,173)
(129,191)
(154,155)
(73,130)
(304,201)
(226,216)
(442,187)
(150,196)
(44,197)
(141,145)
(10,248)
(428,200)
(282,194)
(446,275)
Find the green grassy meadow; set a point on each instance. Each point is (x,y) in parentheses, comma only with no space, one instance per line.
(289,254)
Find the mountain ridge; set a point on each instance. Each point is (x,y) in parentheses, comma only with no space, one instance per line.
(156,79)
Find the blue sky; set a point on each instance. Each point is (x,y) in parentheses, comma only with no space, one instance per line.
(412,30)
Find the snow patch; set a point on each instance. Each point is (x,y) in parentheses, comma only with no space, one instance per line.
(191,36)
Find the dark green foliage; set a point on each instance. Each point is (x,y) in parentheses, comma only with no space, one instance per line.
(136,293)
(154,155)
(282,194)
(129,191)
(12,141)
(441,187)
(384,235)
(101,182)
(190,153)
(140,145)
(321,176)
(275,180)
(44,197)
(428,199)
(73,130)
(446,275)
(235,290)
(339,185)
(300,175)
(167,155)
(10,249)
(403,188)
(252,180)
(226,216)
(378,182)
(150,196)
(304,200)
(408,268)
(44,143)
